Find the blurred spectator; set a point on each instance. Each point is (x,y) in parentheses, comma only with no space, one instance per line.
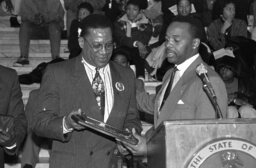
(35,14)
(13,123)
(12,7)
(84,9)
(134,30)
(33,143)
(186,8)
(71,7)
(226,26)
(207,15)
(114,9)
(154,13)
(241,90)
(121,56)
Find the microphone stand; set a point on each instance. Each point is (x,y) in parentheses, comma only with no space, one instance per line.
(211,95)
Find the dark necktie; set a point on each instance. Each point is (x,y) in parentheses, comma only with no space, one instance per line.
(169,87)
(99,91)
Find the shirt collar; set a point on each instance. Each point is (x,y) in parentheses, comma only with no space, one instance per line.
(183,66)
(93,68)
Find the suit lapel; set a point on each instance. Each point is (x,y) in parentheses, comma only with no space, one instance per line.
(177,92)
(116,79)
(84,91)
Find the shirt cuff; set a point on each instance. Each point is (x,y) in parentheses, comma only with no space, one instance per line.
(65,129)
(11,147)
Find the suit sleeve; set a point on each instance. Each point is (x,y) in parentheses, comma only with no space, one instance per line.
(205,108)
(145,101)
(16,109)
(132,118)
(47,121)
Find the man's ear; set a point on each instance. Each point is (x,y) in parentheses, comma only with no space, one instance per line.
(196,43)
(81,42)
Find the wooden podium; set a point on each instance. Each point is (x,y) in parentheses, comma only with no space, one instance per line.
(203,144)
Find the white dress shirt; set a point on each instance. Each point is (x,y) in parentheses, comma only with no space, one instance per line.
(105,74)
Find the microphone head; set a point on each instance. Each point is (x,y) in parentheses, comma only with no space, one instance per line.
(201,69)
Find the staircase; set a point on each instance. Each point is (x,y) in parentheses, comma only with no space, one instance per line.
(39,52)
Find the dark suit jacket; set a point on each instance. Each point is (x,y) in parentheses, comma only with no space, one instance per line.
(187,100)
(11,104)
(66,87)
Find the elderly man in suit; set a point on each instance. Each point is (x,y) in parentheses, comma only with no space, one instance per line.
(186,98)
(92,85)
(11,105)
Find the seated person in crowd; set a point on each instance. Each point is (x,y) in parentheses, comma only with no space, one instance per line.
(121,56)
(134,30)
(35,15)
(184,8)
(226,26)
(71,9)
(84,9)
(154,13)
(241,92)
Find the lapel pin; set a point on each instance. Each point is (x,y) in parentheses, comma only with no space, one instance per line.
(119,86)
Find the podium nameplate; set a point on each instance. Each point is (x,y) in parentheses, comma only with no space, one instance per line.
(203,144)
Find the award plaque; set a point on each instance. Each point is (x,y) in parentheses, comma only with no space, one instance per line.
(119,135)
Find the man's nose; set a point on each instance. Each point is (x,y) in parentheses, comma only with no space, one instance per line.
(103,49)
(169,43)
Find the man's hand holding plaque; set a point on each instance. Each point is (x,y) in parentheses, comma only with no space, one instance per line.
(120,135)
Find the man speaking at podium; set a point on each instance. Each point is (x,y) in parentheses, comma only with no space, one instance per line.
(182,95)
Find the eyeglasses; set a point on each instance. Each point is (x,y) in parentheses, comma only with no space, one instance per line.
(100,46)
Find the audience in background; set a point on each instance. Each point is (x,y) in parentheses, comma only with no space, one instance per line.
(84,9)
(134,30)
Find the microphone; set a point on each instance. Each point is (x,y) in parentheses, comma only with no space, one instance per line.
(202,73)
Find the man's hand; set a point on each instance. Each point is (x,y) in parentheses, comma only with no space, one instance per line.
(70,123)
(142,49)
(7,138)
(122,149)
(140,86)
(227,23)
(39,19)
(141,148)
